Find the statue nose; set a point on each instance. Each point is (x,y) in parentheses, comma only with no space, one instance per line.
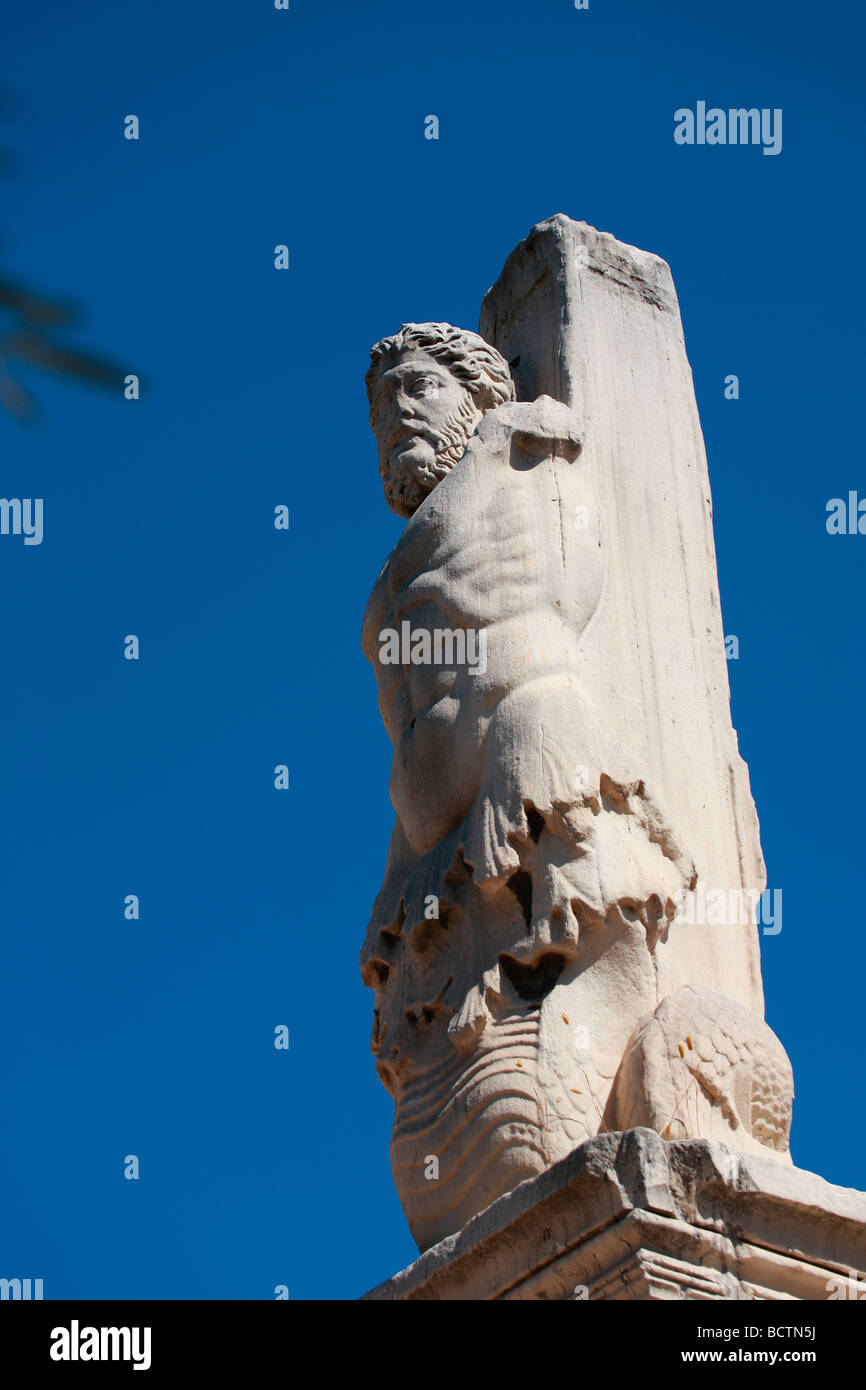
(403,418)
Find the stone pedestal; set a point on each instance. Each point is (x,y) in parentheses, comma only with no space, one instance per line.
(631,1216)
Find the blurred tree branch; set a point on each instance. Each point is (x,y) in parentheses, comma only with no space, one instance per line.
(30,338)
(29,324)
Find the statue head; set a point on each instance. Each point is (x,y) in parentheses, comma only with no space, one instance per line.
(428,387)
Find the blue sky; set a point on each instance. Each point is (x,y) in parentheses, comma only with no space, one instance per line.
(155,777)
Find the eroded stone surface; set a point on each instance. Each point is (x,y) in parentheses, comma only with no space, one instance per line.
(631,1216)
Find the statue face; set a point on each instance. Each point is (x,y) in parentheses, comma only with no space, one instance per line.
(422,418)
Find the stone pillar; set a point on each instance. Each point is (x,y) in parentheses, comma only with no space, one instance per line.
(595,323)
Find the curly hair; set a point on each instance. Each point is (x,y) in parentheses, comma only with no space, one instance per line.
(478,366)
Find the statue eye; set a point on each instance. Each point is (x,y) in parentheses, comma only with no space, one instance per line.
(423,384)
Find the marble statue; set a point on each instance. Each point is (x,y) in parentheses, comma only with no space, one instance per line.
(564,771)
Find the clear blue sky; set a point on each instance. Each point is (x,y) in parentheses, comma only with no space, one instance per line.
(261,127)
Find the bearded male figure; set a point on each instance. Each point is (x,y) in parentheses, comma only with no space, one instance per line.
(531,871)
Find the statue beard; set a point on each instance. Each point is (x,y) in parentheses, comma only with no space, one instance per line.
(406,487)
